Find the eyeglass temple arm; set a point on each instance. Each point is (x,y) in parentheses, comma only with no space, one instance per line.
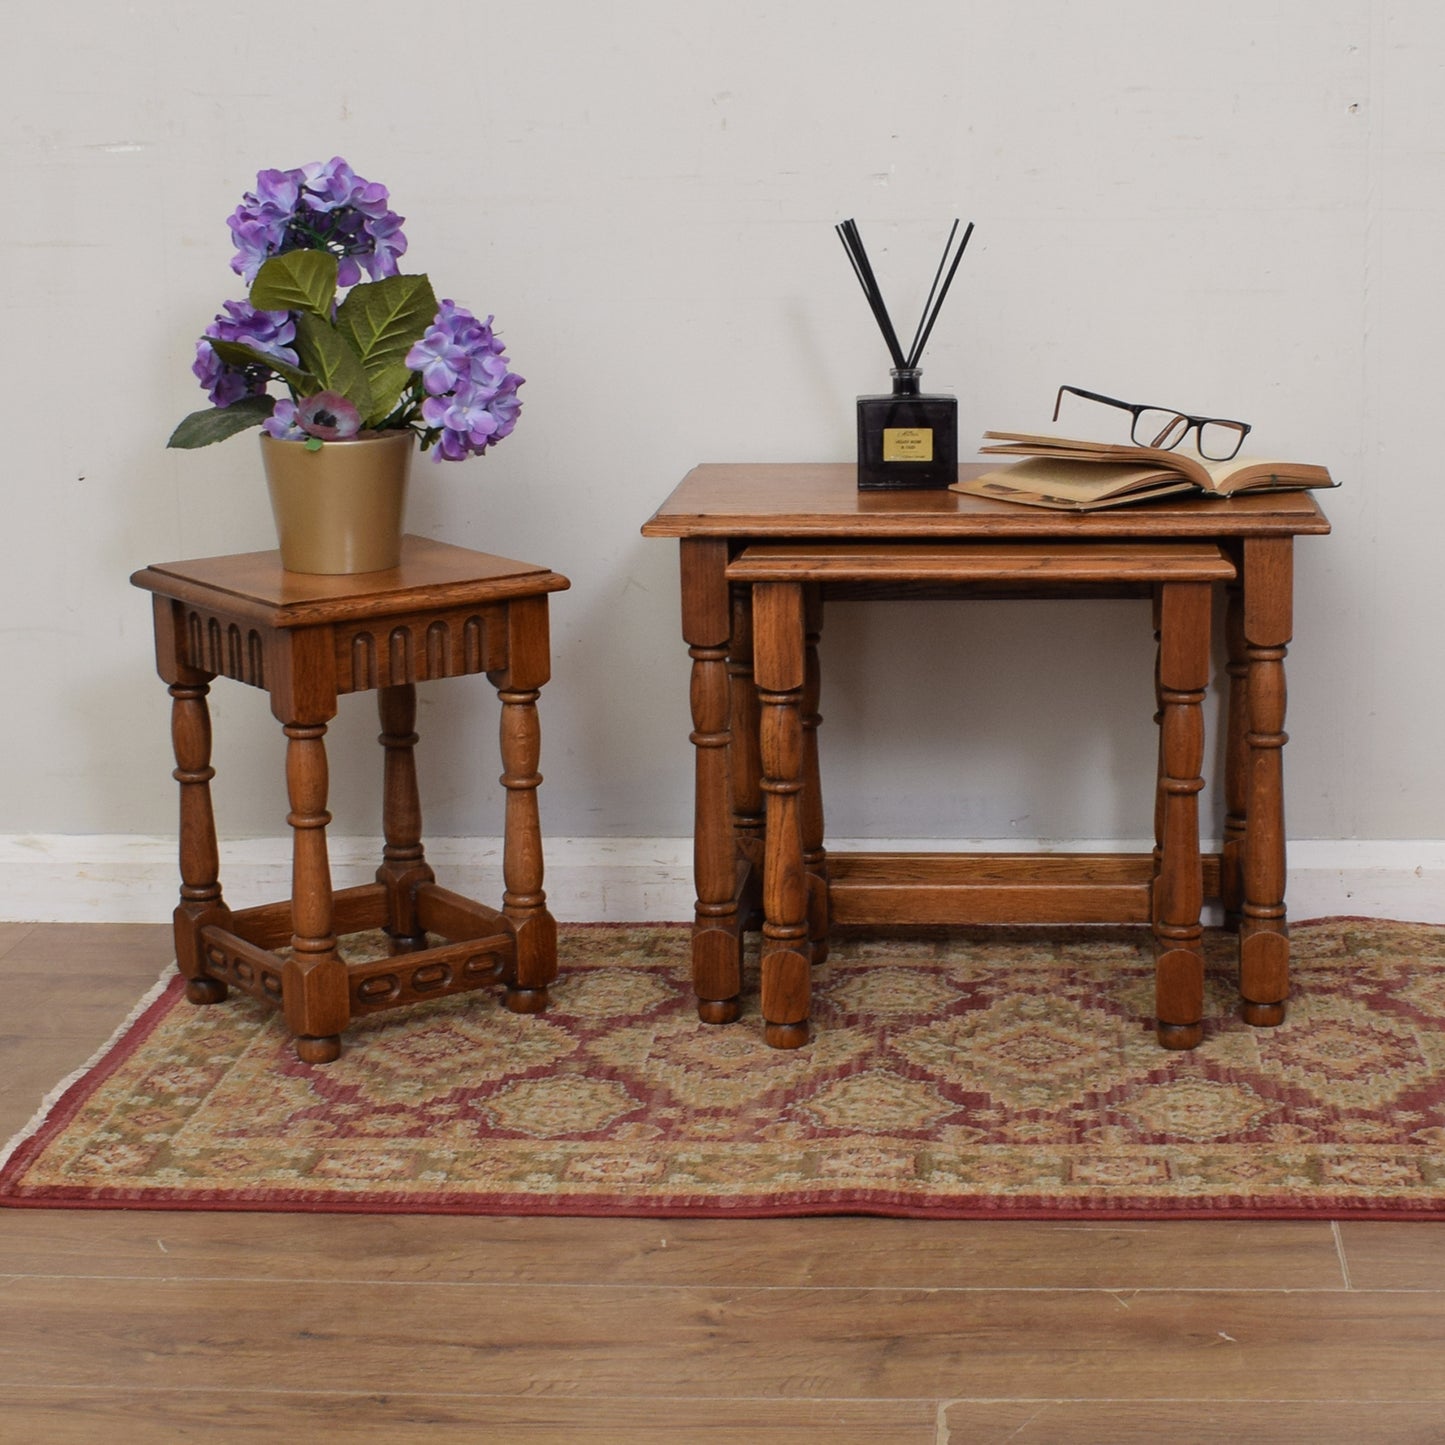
(1091,396)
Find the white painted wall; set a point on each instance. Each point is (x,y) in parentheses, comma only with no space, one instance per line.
(1235,207)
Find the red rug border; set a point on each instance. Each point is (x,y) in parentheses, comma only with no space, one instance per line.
(127,1040)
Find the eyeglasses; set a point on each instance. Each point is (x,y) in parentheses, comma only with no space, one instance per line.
(1157,426)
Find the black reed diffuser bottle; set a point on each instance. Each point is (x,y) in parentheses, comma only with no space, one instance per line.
(907,439)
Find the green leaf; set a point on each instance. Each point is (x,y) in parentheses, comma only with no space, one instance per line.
(387,386)
(237,353)
(298,281)
(335,366)
(217,423)
(384,319)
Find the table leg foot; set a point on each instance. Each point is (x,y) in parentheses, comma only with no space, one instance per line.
(527,1000)
(718,1010)
(205,990)
(1179,997)
(786,1036)
(1263,969)
(1179,1036)
(1262,1015)
(323,1050)
(535,963)
(717,970)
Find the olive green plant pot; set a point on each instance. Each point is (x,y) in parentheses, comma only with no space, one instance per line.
(339,508)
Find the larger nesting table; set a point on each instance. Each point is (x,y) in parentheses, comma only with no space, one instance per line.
(718,511)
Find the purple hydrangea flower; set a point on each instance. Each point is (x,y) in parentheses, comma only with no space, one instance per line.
(270,332)
(318,207)
(440,358)
(282,423)
(506,406)
(462,418)
(457,347)
(471,395)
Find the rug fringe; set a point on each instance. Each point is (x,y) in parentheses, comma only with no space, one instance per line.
(55,1095)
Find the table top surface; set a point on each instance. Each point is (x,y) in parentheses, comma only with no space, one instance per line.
(431,575)
(821,499)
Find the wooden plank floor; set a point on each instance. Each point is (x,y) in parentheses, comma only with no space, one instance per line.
(152,1326)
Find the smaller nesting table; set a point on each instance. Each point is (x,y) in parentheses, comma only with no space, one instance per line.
(787,582)
(306,640)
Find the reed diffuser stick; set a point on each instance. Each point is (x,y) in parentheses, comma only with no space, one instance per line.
(857,254)
(924,332)
(853,245)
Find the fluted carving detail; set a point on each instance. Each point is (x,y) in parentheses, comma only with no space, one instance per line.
(458,645)
(363,662)
(225,649)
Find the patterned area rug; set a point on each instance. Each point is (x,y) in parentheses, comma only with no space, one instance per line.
(951,1074)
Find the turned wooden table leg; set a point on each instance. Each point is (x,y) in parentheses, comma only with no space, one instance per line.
(314,987)
(1159,768)
(717,927)
(200,898)
(779,668)
(404,866)
(524,902)
(1179,889)
(745,765)
(815,856)
(1236,761)
(1264,932)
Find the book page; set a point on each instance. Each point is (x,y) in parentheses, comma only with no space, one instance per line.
(1028,444)
(1074,484)
(1256,473)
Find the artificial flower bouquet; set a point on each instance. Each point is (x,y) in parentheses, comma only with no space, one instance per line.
(383,357)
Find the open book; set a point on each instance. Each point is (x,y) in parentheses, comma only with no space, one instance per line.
(1081,476)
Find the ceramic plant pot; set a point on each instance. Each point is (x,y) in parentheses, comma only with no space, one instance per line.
(339,508)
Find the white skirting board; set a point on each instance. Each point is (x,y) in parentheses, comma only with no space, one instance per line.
(111,878)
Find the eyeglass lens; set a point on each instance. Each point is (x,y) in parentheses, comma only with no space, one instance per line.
(1154,427)
(1217,441)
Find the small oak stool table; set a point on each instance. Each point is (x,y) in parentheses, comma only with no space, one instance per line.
(306,639)
(787,583)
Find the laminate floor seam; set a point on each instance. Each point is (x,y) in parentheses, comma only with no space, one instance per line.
(1151,1399)
(694,1397)
(444,1394)
(1116,1292)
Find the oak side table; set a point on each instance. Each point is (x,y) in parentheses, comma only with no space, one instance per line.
(307,639)
(720,510)
(787,580)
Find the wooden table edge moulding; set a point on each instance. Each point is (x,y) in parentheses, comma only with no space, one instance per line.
(307,639)
(879,544)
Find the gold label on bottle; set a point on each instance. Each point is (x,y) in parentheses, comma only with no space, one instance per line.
(907,444)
